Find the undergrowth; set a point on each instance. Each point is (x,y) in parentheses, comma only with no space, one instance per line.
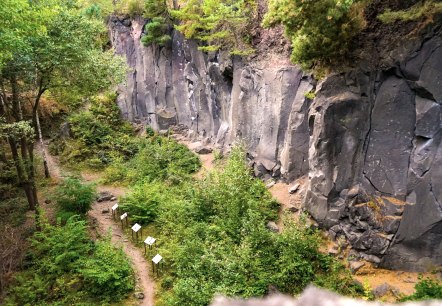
(73,197)
(158,159)
(98,135)
(65,267)
(213,236)
(425,289)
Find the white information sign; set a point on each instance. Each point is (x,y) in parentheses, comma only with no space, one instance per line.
(123,216)
(157,259)
(115,207)
(149,240)
(136,227)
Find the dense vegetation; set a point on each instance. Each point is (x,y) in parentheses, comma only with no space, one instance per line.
(98,136)
(426,289)
(319,30)
(66,268)
(212,232)
(213,235)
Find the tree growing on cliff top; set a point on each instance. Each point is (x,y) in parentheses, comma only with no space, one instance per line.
(320,30)
(159,23)
(221,24)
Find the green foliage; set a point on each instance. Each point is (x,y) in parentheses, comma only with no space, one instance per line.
(74,196)
(310,95)
(319,30)
(221,24)
(422,9)
(99,135)
(426,289)
(159,23)
(143,202)
(108,273)
(157,31)
(160,159)
(67,268)
(215,240)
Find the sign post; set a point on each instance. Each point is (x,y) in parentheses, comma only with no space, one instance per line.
(135,230)
(124,217)
(156,263)
(114,210)
(149,241)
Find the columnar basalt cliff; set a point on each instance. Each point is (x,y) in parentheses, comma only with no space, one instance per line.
(370,142)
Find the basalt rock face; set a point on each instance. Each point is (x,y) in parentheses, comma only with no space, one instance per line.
(370,141)
(375,160)
(219,98)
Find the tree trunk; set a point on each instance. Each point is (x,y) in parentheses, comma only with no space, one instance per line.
(43,150)
(36,123)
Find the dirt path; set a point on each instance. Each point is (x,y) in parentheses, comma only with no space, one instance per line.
(104,222)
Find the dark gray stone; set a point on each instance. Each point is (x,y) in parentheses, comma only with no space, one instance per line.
(370,141)
(203,150)
(355,266)
(104,196)
(381,290)
(272,226)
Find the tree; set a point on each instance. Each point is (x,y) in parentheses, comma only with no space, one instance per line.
(66,54)
(319,30)
(221,24)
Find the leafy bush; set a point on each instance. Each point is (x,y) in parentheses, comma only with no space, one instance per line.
(74,196)
(157,31)
(215,239)
(426,289)
(159,23)
(221,24)
(160,159)
(320,31)
(99,135)
(67,268)
(143,202)
(108,273)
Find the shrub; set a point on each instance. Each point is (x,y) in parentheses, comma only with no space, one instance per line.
(215,238)
(74,196)
(157,31)
(160,159)
(66,268)
(108,273)
(99,135)
(426,289)
(143,201)
(320,31)
(159,23)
